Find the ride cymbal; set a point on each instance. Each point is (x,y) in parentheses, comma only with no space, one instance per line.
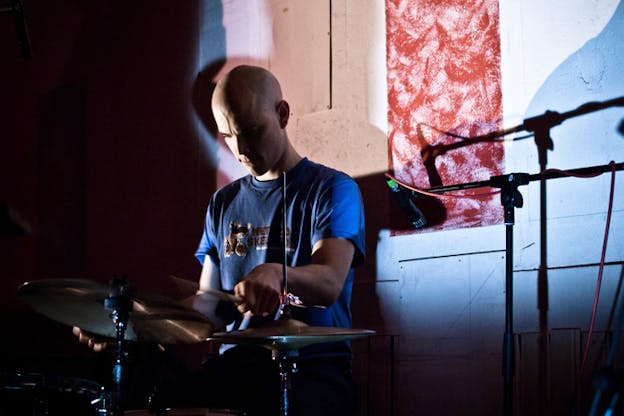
(81,303)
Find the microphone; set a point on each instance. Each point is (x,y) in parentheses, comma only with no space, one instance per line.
(404,199)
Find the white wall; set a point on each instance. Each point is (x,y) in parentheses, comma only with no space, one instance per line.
(451,313)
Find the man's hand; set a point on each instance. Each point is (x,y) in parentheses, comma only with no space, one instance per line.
(260,289)
(90,339)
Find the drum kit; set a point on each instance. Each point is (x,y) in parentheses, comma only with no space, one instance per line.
(115,311)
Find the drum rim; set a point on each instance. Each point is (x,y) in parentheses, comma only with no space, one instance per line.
(212,411)
(27,380)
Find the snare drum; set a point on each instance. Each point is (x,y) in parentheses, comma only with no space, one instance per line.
(35,394)
(185,412)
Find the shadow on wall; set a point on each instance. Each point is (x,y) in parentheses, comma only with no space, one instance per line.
(382,213)
(591,74)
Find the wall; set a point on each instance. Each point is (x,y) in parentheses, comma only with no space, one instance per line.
(109,155)
(451,310)
(101,157)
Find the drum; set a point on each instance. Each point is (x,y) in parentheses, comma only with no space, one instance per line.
(185,412)
(35,394)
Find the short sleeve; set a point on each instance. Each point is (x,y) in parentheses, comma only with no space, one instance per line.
(207,245)
(340,214)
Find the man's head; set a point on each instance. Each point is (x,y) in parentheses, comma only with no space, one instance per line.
(252,116)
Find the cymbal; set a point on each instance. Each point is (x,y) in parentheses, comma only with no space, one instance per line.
(189,288)
(80,303)
(289,334)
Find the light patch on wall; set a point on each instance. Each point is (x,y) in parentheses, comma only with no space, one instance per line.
(248,28)
(592,73)
(444,87)
(547,38)
(291,38)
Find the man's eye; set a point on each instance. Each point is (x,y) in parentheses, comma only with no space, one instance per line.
(251,131)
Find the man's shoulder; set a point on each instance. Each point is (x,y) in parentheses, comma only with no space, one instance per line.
(230,189)
(321,172)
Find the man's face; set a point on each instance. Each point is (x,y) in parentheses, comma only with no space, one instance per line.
(253,134)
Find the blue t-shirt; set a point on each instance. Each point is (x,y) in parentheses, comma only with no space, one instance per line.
(243,229)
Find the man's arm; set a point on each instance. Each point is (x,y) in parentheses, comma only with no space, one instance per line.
(318,283)
(205,300)
(209,279)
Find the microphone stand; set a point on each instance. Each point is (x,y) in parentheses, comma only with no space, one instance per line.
(540,126)
(511,198)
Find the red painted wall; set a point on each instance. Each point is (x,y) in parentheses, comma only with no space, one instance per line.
(444,88)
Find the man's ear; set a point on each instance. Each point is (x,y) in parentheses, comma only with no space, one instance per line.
(283,113)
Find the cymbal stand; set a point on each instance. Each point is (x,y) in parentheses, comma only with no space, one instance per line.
(287,365)
(283,311)
(120,305)
(284,357)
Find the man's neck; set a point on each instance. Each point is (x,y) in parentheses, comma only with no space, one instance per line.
(288,162)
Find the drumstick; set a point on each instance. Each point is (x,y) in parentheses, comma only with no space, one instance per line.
(187,285)
(221,295)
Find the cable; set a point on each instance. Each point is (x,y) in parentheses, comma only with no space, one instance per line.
(600,271)
(423,192)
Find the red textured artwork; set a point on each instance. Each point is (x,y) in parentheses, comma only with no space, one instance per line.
(444,89)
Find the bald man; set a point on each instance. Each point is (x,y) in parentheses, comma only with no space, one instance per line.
(242,251)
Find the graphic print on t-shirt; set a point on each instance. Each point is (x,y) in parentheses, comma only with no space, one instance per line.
(243,237)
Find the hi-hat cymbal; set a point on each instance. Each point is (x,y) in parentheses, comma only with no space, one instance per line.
(80,303)
(289,334)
